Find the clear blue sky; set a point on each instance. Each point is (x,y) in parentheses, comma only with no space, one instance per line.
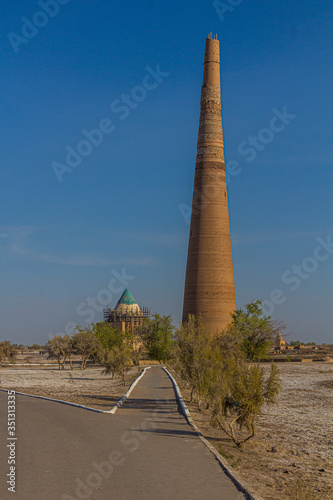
(63,243)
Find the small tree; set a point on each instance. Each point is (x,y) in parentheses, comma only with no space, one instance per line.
(57,348)
(196,357)
(257,331)
(295,342)
(135,340)
(157,334)
(7,352)
(85,344)
(218,371)
(117,361)
(2,355)
(67,346)
(136,355)
(107,336)
(241,395)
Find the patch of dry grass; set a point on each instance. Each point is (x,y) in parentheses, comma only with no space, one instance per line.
(302,490)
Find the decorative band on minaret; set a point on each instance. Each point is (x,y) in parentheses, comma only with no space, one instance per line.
(209,282)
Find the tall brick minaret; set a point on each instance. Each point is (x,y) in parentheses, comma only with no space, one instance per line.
(209,283)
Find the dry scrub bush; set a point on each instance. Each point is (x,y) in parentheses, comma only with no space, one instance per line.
(234,390)
(7,352)
(117,361)
(194,358)
(239,399)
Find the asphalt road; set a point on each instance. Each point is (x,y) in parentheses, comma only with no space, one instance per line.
(145,451)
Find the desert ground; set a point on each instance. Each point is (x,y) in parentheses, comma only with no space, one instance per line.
(294,441)
(88,387)
(293,444)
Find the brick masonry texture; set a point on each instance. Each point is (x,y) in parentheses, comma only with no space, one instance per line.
(209,282)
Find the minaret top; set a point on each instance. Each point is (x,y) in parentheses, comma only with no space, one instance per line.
(212,61)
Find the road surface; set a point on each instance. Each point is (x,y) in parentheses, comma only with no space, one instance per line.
(145,451)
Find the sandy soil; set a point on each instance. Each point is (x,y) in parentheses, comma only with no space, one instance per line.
(86,387)
(294,439)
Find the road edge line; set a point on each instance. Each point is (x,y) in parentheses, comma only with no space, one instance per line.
(236,478)
(68,403)
(54,400)
(123,399)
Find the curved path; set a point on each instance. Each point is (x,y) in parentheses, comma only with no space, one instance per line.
(145,451)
